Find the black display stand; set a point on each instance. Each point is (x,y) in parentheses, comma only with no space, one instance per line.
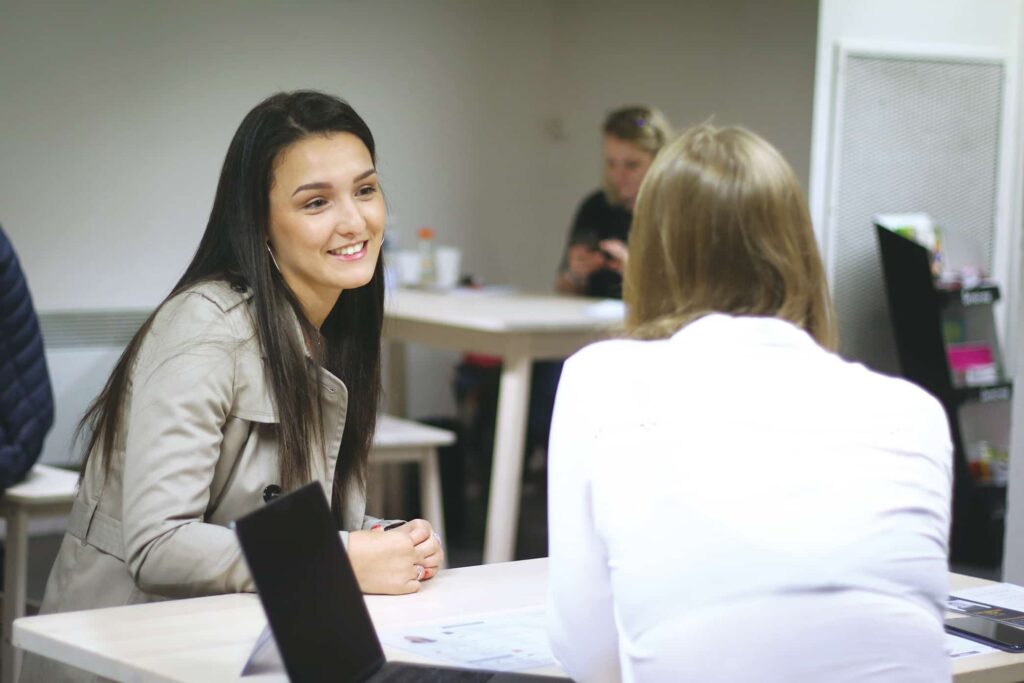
(918,308)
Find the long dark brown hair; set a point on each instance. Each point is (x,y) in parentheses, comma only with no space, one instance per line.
(234,249)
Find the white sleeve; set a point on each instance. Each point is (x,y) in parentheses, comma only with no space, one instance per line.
(581,620)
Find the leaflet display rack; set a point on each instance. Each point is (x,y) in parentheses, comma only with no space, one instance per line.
(923,312)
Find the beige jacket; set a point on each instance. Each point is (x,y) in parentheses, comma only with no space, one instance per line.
(198,450)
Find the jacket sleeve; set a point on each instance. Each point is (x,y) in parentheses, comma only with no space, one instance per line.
(581,620)
(182,393)
(26,397)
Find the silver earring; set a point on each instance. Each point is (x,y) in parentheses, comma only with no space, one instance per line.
(273,258)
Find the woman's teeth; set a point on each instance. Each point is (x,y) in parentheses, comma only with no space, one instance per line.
(349,250)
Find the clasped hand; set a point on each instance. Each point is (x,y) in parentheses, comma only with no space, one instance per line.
(389,562)
(584,260)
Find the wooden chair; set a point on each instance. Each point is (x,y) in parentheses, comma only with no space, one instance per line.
(45,492)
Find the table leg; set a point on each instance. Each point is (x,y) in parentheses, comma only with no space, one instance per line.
(394,478)
(375,490)
(396,382)
(507,467)
(430,492)
(15,587)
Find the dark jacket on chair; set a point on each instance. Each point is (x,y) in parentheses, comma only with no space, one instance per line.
(26,399)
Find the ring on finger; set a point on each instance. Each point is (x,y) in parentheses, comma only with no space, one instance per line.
(420,572)
(437,537)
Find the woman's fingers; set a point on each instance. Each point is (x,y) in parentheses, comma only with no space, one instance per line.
(419,530)
(433,560)
(408,554)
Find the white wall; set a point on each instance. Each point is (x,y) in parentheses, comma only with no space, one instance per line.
(985,24)
(972,24)
(115,116)
(740,62)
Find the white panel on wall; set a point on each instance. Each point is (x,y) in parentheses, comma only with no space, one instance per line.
(82,348)
(913,132)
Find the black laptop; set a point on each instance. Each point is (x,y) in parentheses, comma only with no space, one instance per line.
(313,603)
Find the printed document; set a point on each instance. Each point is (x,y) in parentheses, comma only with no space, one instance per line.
(505,642)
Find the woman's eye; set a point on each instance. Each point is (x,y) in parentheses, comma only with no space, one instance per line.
(367,190)
(315,203)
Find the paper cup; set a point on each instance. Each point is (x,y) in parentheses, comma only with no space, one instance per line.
(407,264)
(447,262)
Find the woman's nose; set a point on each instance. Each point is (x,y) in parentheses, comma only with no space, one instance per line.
(350,218)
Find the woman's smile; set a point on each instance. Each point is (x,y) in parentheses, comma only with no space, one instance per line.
(351,252)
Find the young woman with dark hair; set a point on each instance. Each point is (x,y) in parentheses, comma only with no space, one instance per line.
(258,373)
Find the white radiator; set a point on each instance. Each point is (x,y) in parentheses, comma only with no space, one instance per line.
(81,350)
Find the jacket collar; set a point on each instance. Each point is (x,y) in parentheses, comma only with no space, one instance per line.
(721,328)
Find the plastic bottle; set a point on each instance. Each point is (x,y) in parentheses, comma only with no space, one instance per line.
(428,268)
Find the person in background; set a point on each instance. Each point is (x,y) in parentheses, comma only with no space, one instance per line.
(592,266)
(741,503)
(260,372)
(26,398)
(596,253)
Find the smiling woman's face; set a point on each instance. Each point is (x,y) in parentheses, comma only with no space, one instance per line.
(327,219)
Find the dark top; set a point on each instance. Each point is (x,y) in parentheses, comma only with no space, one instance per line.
(26,399)
(598,220)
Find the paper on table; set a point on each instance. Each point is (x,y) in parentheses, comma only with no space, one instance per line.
(508,642)
(999,594)
(265,658)
(957,647)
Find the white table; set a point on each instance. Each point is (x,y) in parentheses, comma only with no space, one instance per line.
(521,329)
(209,639)
(45,492)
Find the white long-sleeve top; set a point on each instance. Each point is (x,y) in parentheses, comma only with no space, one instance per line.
(737,504)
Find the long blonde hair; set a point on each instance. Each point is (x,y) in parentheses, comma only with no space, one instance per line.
(721,225)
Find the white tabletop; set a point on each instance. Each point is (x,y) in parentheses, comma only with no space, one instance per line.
(42,486)
(209,639)
(395,432)
(502,312)
(521,329)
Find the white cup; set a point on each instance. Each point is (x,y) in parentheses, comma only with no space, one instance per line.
(407,264)
(447,261)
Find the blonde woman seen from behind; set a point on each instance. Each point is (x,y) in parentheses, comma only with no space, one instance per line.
(737,502)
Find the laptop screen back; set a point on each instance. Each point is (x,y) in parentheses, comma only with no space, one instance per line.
(308,589)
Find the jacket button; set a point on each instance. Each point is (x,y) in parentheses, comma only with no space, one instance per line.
(271,492)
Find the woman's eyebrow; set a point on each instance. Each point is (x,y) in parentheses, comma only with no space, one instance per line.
(326,186)
(312,186)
